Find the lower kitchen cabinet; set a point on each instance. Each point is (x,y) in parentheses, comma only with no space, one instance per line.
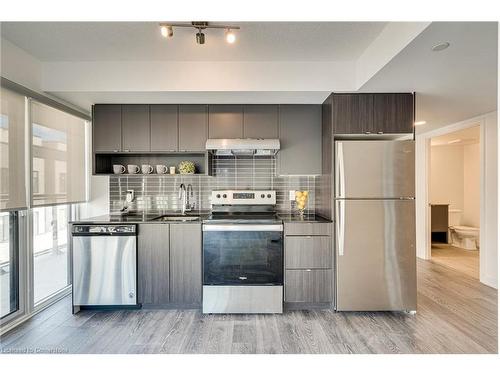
(153,264)
(308,263)
(309,285)
(308,252)
(185,263)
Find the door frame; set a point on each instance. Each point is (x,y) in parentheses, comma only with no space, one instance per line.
(422,179)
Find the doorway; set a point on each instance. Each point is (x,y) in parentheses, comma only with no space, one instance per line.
(454,198)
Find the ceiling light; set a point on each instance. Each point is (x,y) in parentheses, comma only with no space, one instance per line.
(230,37)
(440,46)
(454,141)
(200,37)
(163,30)
(417,123)
(167,30)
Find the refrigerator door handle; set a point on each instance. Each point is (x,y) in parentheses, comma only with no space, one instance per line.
(340,178)
(340,225)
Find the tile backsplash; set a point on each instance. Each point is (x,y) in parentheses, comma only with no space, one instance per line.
(157,194)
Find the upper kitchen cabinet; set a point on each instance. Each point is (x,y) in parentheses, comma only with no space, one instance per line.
(225,121)
(300,138)
(260,121)
(393,113)
(352,113)
(193,127)
(136,131)
(372,113)
(164,127)
(107,127)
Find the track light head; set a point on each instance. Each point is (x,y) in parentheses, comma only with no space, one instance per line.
(200,37)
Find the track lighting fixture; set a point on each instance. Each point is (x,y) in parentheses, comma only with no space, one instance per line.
(167,30)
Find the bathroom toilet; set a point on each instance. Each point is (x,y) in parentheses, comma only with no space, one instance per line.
(464,237)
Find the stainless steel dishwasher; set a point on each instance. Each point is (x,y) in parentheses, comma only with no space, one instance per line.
(104,264)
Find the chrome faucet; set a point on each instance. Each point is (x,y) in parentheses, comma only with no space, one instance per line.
(184,198)
(129,198)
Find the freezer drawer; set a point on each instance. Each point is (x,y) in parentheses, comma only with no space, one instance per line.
(374,169)
(104,270)
(375,250)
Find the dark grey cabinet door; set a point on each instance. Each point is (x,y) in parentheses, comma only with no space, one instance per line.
(308,252)
(164,127)
(225,121)
(352,113)
(260,121)
(393,113)
(193,127)
(136,131)
(313,286)
(107,127)
(153,264)
(185,263)
(300,138)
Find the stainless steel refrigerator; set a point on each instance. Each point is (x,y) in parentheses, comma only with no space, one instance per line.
(375,226)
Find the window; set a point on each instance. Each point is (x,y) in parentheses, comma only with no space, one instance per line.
(50,250)
(9,263)
(58,153)
(36,182)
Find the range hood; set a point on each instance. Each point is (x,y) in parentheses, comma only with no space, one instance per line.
(243,147)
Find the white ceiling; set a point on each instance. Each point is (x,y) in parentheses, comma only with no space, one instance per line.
(459,138)
(141,41)
(455,84)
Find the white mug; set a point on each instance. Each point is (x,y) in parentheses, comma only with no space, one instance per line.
(172,170)
(146,169)
(118,169)
(161,169)
(133,169)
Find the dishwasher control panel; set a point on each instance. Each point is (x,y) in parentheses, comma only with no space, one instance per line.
(104,229)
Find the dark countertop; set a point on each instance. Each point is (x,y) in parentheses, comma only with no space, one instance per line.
(149,219)
(138,219)
(288,218)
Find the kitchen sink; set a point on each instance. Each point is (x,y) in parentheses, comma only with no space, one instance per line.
(176,218)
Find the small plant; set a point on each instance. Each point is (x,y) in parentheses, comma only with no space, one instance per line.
(186,167)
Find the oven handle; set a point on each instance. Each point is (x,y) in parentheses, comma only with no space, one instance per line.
(242,228)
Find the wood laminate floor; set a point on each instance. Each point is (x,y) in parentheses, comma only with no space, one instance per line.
(465,261)
(456,314)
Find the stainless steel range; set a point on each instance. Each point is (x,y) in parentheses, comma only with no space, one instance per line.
(243,254)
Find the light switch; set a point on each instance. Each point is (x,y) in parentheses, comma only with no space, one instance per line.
(292,195)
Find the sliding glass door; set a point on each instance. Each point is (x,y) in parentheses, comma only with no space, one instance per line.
(9,263)
(50,251)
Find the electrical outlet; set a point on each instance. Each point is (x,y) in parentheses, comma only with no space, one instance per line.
(292,195)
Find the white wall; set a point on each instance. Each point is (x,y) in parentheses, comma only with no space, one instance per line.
(447,176)
(472,186)
(20,67)
(455,180)
(488,272)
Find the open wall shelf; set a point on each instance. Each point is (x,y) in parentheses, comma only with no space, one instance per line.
(103,162)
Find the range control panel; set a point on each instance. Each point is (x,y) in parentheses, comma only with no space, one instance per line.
(248,197)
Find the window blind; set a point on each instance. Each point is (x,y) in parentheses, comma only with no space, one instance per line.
(12,151)
(58,151)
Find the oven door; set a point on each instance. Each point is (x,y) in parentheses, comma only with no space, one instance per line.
(243,254)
